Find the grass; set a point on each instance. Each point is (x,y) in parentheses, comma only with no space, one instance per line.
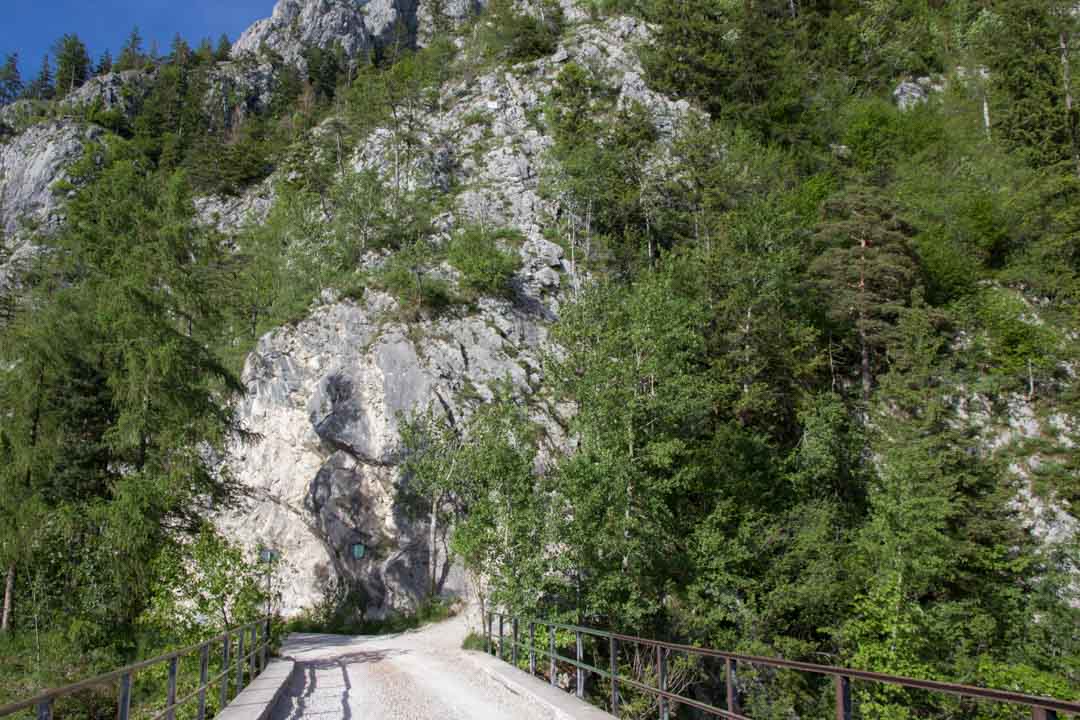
(474,641)
(344,621)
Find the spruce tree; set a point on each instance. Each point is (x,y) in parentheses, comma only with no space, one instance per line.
(105,64)
(72,64)
(10,80)
(132,56)
(42,86)
(224,48)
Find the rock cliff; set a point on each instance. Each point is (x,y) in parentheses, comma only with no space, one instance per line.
(325,395)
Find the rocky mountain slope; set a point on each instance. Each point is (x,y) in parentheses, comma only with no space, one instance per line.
(326,394)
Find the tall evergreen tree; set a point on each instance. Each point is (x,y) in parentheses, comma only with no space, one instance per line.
(10,80)
(72,64)
(42,87)
(105,64)
(132,56)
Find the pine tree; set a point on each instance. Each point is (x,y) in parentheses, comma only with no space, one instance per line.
(42,86)
(105,64)
(10,80)
(132,56)
(865,275)
(72,64)
(224,48)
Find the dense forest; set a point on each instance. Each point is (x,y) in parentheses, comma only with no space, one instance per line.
(795,341)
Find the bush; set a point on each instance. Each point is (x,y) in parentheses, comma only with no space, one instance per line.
(519,37)
(486,268)
(474,641)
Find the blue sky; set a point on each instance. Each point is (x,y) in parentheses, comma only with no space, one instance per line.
(30,27)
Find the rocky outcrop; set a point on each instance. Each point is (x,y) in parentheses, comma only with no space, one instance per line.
(356,27)
(238,89)
(30,166)
(325,395)
(121,92)
(325,398)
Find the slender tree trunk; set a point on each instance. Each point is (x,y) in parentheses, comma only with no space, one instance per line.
(986,114)
(436,499)
(9,600)
(1066,77)
(864,346)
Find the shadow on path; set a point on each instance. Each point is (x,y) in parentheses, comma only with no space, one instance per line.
(305,681)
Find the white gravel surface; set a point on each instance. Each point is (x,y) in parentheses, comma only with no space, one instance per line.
(418,675)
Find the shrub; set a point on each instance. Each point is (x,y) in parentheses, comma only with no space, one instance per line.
(486,268)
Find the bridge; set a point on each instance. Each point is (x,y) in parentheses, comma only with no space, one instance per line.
(530,669)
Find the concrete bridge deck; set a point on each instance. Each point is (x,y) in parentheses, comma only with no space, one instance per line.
(418,675)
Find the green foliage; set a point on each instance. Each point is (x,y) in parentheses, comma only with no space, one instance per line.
(486,267)
(516,37)
(72,64)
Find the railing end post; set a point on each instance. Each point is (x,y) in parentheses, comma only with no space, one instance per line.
(843,698)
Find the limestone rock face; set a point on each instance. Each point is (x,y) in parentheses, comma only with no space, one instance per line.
(300,24)
(325,397)
(325,394)
(124,92)
(30,165)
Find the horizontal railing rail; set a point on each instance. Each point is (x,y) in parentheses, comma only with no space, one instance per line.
(234,668)
(1042,708)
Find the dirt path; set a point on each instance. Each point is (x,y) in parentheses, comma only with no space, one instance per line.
(412,676)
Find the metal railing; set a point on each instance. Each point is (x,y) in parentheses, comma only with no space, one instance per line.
(1042,708)
(234,668)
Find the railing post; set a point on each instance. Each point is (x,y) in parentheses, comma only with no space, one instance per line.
(514,646)
(661,680)
(268,632)
(226,646)
(532,648)
(501,631)
(254,665)
(44,709)
(580,670)
(170,691)
(204,677)
(843,698)
(240,661)
(614,677)
(732,696)
(554,665)
(124,704)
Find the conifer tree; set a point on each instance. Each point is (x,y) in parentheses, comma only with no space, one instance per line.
(224,47)
(132,56)
(42,86)
(105,64)
(72,64)
(10,80)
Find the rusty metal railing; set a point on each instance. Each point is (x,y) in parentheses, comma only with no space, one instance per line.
(1042,708)
(234,669)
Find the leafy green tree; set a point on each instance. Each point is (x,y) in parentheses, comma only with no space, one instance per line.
(72,64)
(486,267)
(208,580)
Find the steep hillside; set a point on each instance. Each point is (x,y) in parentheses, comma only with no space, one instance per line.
(753,325)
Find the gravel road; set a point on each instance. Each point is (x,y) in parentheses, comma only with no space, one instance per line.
(418,675)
